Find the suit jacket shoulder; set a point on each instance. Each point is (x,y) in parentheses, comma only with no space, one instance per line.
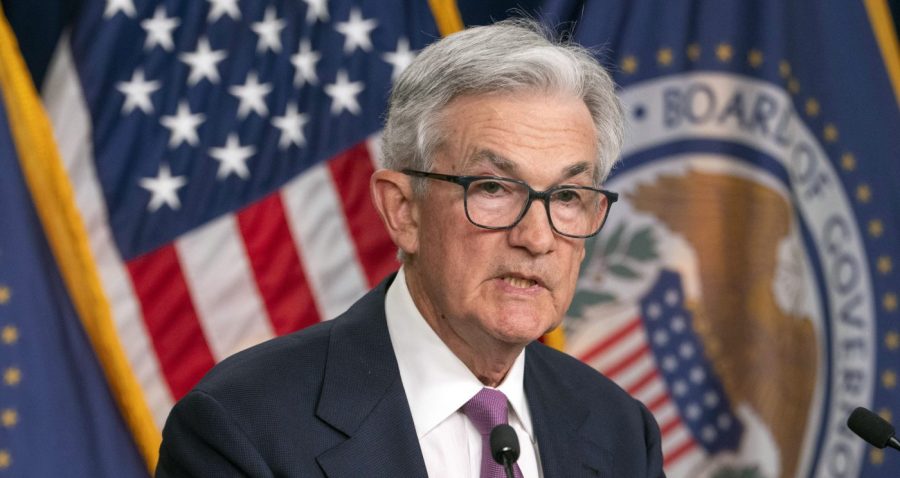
(318,402)
(586,425)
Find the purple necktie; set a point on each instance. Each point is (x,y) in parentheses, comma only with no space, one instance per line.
(486,410)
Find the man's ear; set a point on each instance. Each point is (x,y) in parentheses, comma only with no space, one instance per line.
(393,197)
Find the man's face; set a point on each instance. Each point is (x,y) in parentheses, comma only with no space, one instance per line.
(482,286)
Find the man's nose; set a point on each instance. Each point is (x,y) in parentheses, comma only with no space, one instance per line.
(533,232)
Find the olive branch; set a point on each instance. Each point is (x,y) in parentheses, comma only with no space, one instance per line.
(621,252)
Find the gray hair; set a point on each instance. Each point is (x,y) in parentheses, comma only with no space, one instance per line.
(508,56)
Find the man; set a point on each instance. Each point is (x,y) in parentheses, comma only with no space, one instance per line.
(496,142)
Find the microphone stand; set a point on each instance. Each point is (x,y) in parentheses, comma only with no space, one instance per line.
(508,466)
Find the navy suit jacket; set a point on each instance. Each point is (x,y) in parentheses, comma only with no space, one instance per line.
(328,401)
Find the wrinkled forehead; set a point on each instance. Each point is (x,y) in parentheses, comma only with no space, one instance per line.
(519,132)
(492,160)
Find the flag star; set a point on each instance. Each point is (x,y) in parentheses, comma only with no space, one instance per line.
(232,158)
(223,7)
(304,62)
(9,418)
(183,126)
(291,126)
(9,335)
(137,92)
(163,189)
(268,31)
(116,6)
(251,95)
(400,59)
(159,29)
(356,31)
(203,62)
(316,10)
(343,94)
(12,376)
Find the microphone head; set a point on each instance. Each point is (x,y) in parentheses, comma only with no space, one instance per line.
(504,444)
(870,427)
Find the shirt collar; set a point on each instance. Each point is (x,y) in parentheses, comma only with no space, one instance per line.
(436,382)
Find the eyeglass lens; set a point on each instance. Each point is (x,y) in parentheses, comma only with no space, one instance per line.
(497,203)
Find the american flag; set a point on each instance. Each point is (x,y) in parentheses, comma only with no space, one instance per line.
(220,153)
(654,353)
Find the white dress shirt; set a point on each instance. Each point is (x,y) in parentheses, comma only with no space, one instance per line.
(437,384)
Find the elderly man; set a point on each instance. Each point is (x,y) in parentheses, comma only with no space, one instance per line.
(496,142)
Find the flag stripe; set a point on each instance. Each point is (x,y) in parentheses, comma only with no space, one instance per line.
(610,340)
(626,361)
(221,285)
(674,455)
(687,464)
(658,402)
(648,377)
(635,371)
(621,352)
(652,391)
(72,128)
(617,351)
(276,266)
(665,413)
(171,319)
(665,428)
(319,231)
(351,172)
(675,438)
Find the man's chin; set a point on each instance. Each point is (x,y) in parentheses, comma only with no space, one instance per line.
(522,329)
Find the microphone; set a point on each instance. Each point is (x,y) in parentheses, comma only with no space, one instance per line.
(872,428)
(505,447)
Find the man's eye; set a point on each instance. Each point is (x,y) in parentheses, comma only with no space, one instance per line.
(489,187)
(566,195)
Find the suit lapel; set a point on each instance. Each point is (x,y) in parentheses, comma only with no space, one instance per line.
(558,416)
(363,397)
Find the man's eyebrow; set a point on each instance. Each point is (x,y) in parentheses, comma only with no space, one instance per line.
(510,168)
(486,156)
(577,169)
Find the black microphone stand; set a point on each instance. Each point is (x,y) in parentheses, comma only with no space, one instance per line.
(508,466)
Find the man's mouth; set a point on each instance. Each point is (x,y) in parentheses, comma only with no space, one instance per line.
(519,282)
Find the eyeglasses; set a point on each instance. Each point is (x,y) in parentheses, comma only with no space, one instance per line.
(500,203)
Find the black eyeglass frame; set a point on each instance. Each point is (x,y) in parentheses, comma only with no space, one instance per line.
(544,196)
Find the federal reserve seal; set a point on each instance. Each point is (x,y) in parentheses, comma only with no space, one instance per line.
(730,289)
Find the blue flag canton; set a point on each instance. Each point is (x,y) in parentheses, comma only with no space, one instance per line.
(688,373)
(199,108)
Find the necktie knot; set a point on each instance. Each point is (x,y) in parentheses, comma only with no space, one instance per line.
(486,410)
